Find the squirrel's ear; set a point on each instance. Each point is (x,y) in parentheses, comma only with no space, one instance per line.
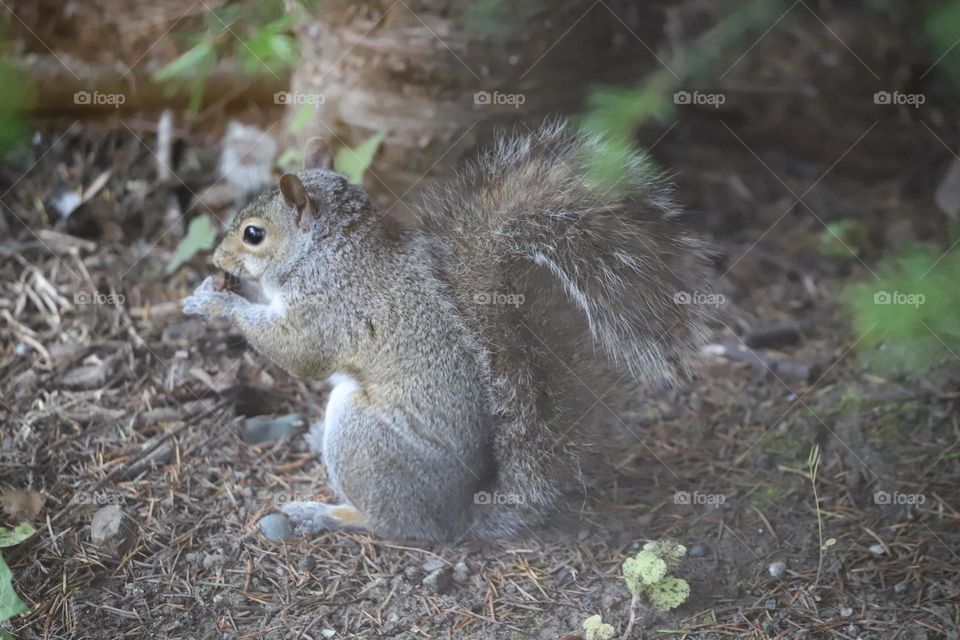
(295,195)
(317,154)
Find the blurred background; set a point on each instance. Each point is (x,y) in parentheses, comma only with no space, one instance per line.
(814,142)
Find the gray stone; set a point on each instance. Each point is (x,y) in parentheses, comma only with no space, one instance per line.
(697,551)
(262,429)
(276,527)
(108,528)
(877,549)
(461,572)
(777,568)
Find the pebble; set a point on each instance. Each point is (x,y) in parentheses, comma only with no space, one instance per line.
(328,633)
(777,568)
(461,572)
(846,612)
(262,429)
(877,549)
(697,551)
(771,603)
(276,527)
(106,528)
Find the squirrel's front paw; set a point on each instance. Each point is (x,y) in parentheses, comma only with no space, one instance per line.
(207,301)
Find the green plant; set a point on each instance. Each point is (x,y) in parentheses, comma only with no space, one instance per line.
(905,319)
(942,30)
(813,466)
(200,236)
(646,574)
(353,163)
(597,629)
(256,34)
(10,603)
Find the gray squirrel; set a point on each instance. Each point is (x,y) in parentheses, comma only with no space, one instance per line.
(466,355)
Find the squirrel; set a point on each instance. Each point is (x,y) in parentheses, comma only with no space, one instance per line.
(465,353)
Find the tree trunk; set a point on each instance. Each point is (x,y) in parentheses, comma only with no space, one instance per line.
(438,76)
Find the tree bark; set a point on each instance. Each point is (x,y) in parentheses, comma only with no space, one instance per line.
(439,76)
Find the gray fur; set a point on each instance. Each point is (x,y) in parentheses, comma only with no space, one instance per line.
(461,398)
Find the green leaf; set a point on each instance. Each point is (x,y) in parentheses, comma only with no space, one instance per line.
(844,238)
(669,593)
(200,236)
(188,63)
(353,163)
(9,538)
(304,114)
(10,602)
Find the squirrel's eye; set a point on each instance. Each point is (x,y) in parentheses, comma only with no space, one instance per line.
(253,235)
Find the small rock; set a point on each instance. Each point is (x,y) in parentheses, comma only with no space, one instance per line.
(697,551)
(771,603)
(276,527)
(89,376)
(108,528)
(563,577)
(439,581)
(777,568)
(846,612)
(328,633)
(461,572)
(261,429)
(877,549)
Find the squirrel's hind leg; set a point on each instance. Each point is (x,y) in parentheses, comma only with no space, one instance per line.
(311,518)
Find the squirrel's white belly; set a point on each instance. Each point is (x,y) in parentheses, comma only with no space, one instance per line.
(344,386)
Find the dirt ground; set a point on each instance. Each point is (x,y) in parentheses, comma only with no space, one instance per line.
(126,402)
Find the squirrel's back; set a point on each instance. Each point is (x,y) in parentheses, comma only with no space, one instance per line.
(573,282)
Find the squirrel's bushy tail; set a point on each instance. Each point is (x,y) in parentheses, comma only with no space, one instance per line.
(539,244)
